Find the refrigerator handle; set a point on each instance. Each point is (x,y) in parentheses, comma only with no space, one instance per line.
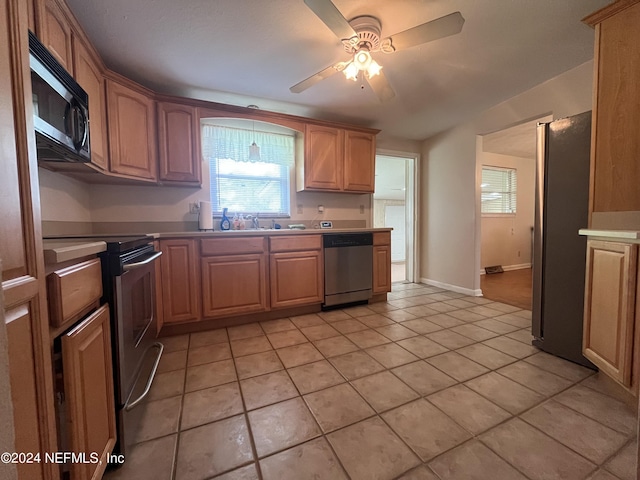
(537,327)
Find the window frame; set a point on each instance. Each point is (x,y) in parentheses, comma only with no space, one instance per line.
(512,191)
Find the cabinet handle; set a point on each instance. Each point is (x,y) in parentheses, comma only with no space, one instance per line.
(131,405)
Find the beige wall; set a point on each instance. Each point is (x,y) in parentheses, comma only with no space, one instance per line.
(447,216)
(450,216)
(65,199)
(506,240)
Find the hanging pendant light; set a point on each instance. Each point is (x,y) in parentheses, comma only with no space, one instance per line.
(254,149)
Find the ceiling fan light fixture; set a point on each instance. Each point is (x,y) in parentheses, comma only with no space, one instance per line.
(362,58)
(351,71)
(373,69)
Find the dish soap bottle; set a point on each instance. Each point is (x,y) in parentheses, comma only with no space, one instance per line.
(235,224)
(225,224)
(241,224)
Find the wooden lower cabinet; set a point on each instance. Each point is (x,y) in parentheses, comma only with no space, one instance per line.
(609,314)
(180,281)
(234,285)
(381,262)
(88,382)
(297,278)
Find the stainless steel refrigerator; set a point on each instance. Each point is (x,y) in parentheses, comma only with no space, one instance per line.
(559,253)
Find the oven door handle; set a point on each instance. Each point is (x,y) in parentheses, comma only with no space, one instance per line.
(146,261)
(131,405)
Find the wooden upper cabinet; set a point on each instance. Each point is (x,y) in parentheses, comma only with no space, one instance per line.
(323,157)
(609,307)
(615,150)
(132,132)
(359,161)
(337,160)
(180,281)
(88,379)
(179,142)
(55,33)
(90,77)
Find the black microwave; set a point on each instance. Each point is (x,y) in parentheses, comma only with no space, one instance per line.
(60,109)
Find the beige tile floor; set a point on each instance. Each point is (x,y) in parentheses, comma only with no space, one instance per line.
(429,385)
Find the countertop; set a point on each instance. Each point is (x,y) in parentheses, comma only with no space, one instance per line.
(619,235)
(60,250)
(282,231)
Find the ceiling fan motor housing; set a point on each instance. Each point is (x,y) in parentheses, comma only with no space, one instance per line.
(368,30)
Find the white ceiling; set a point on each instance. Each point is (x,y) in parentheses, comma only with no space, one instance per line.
(250,52)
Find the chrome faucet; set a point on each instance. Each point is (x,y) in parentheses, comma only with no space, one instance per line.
(256,222)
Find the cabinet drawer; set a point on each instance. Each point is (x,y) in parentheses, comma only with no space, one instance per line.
(233,245)
(382,238)
(293,243)
(73,291)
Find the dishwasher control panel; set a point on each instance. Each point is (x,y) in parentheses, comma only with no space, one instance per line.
(335,240)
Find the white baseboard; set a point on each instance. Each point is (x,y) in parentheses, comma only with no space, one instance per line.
(508,268)
(453,288)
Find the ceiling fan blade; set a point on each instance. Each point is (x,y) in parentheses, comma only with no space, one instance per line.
(427,32)
(380,85)
(315,78)
(331,16)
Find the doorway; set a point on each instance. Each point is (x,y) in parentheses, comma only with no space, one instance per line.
(506,177)
(394,206)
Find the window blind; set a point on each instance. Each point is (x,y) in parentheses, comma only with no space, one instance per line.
(498,190)
(245,186)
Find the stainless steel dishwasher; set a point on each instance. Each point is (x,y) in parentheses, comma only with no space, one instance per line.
(348,268)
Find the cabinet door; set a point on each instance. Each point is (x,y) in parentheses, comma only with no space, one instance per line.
(179,140)
(609,307)
(234,285)
(22,282)
(381,268)
(89,75)
(359,162)
(132,132)
(88,382)
(323,157)
(180,281)
(616,113)
(296,279)
(55,34)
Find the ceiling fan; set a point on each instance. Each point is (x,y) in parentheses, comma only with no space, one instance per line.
(361,37)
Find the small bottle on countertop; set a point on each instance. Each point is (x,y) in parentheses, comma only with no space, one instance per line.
(225,224)
(235,223)
(241,223)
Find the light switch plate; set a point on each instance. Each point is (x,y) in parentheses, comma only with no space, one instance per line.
(326,224)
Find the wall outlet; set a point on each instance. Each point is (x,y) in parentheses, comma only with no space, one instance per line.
(361,208)
(194,208)
(320,208)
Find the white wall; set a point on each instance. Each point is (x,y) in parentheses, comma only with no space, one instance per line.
(506,240)
(450,245)
(448,230)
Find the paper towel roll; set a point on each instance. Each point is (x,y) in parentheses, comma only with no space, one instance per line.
(205,220)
